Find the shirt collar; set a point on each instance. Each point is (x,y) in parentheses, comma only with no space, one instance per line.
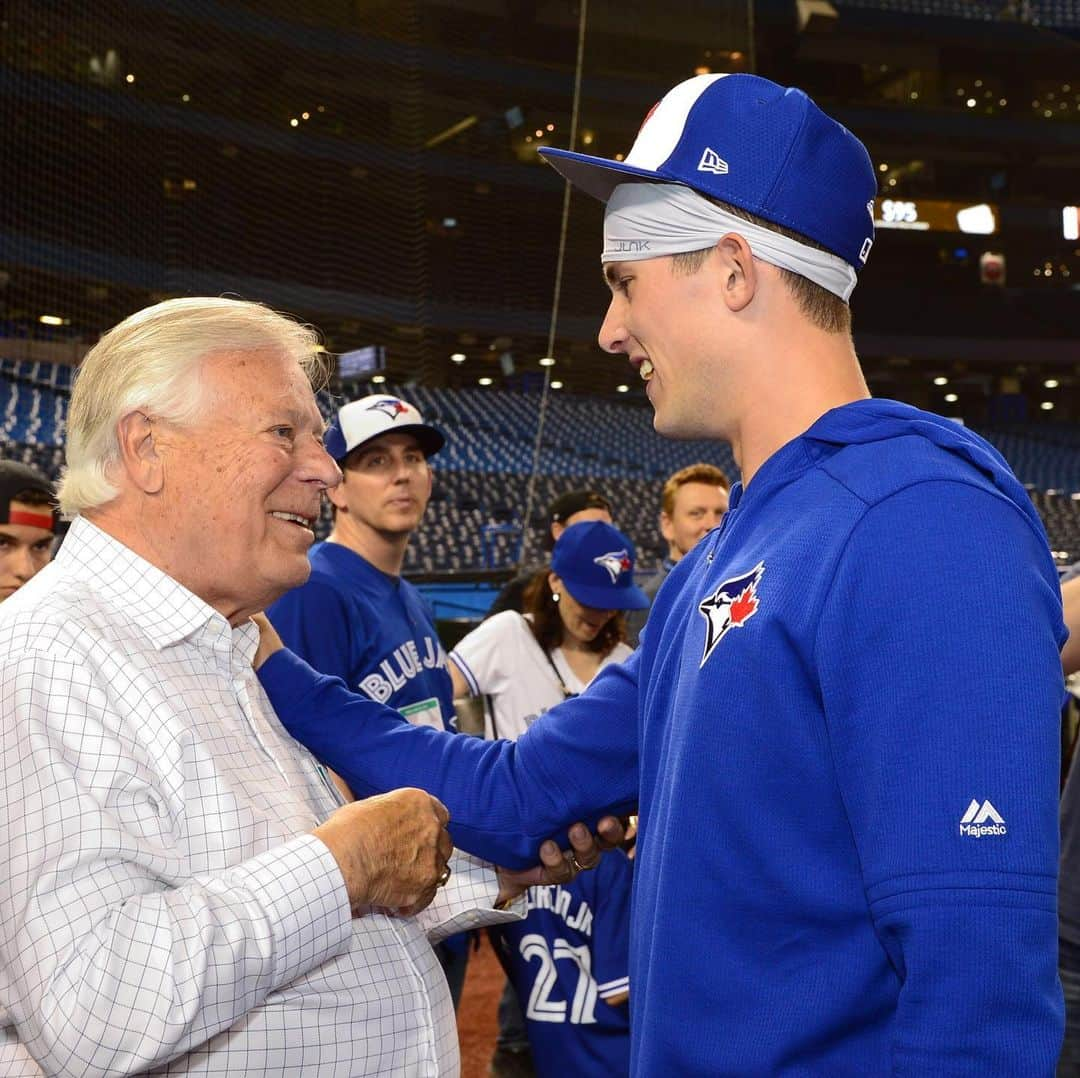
(163,608)
(353,566)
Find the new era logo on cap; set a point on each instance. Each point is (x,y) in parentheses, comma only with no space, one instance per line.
(711,161)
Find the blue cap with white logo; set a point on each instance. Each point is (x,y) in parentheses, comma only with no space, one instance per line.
(596,563)
(361,420)
(746,141)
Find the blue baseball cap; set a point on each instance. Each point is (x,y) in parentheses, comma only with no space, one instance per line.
(361,420)
(746,141)
(596,563)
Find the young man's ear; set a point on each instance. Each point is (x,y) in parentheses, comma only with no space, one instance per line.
(666,529)
(336,494)
(140,456)
(735,263)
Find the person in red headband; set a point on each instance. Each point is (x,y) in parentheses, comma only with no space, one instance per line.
(28,522)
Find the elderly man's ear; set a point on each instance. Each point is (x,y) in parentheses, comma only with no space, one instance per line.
(139,455)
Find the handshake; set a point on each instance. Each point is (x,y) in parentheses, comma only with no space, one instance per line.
(393,851)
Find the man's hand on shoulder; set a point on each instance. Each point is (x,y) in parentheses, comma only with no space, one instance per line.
(269,641)
(561,866)
(392,849)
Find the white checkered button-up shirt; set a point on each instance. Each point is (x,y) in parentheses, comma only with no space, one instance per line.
(163,906)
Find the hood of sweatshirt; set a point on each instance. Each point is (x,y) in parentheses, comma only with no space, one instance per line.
(874,420)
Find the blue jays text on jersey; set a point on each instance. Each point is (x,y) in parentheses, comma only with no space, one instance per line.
(401,666)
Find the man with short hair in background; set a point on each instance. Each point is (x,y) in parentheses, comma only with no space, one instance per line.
(28,525)
(692,503)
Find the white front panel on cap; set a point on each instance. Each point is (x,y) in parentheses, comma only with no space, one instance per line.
(363,419)
(660,133)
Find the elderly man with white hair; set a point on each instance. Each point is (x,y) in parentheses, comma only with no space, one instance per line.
(182,889)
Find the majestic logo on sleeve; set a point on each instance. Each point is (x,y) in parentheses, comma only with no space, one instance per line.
(974,823)
(616,563)
(389,407)
(730,607)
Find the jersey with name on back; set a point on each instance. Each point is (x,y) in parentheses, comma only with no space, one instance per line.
(569,962)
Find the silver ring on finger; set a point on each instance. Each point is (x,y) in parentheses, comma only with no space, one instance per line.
(575,864)
(444,876)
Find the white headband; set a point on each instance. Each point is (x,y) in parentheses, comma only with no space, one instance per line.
(651,220)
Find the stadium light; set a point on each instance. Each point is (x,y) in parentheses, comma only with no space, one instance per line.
(1070,222)
(976,220)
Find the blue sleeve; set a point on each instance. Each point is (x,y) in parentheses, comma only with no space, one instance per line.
(577,762)
(313,620)
(941,682)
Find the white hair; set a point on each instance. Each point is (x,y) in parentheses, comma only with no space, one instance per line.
(151,361)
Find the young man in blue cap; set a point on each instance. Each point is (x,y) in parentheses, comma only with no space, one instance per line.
(843,744)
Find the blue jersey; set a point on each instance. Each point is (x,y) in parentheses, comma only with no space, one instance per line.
(372,630)
(569,963)
(842,729)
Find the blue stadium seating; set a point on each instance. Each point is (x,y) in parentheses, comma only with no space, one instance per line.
(479,516)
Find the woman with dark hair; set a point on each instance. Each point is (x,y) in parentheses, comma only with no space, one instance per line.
(573,626)
(567,961)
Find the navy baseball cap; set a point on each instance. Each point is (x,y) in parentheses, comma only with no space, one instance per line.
(596,563)
(566,505)
(362,420)
(746,141)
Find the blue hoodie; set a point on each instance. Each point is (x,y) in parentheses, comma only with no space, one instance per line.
(841,734)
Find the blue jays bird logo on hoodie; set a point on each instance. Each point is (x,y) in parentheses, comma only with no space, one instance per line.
(729,607)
